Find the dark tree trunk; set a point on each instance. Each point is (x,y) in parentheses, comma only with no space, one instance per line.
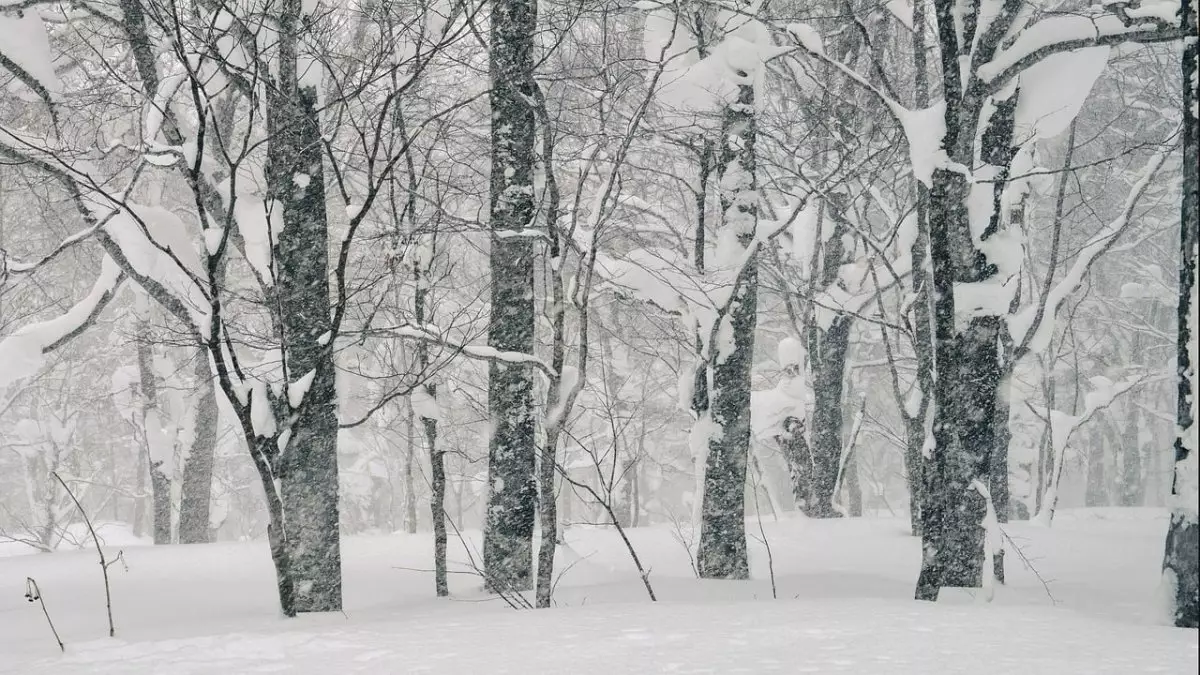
(914,464)
(512,453)
(916,417)
(197,472)
(998,486)
(968,358)
(437,461)
(827,360)
(1181,566)
(308,469)
(721,553)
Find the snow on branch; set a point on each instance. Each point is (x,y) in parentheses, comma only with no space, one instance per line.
(1156,21)
(1033,327)
(25,52)
(479,352)
(9,266)
(923,129)
(1063,426)
(23,352)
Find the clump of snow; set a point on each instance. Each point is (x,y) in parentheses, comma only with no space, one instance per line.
(23,40)
(902,10)
(925,129)
(791,352)
(424,404)
(298,389)
(1053,91)
(213,237)
(262,418)
(808,37)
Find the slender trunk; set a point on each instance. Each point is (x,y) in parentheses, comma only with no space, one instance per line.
(721,553)
(139,496)
(1046,459)
(512,450)
(914,442)
(918,422)
(410,456)
(152,427)
(197,472)
(998,486)
(548,517)
(437,460)
(635,477)
(1096,491)
(1131,481)
(854,495)
(1181,561)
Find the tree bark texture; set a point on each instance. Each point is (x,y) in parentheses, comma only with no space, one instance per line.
(721,553)
(1181,567)
(512,453)
(827,349)
(197,472)
(152,421)
(307,469)
(968,351)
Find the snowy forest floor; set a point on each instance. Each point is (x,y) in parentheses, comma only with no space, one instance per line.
(844,606)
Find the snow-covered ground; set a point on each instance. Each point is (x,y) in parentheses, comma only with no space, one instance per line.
(843,607)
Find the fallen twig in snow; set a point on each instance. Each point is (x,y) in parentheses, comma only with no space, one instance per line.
(1029,565)
(32,592)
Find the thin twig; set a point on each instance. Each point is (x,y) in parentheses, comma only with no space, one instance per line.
(766,543)
(100,552)
(32,592)
(1029,565)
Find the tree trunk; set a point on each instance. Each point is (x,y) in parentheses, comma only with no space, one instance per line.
(796,454)
(998,485)
(437,507)
(914,437)
(512,489)
(139,493)
(410,457)
(635,478)
(968,358)
(437,460)
(152,428)
(827,360)
(308,468)
(197,472)
(721,553)
(1131,480)
(548,515)
(1181,567)
(854,495)
(917,418)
